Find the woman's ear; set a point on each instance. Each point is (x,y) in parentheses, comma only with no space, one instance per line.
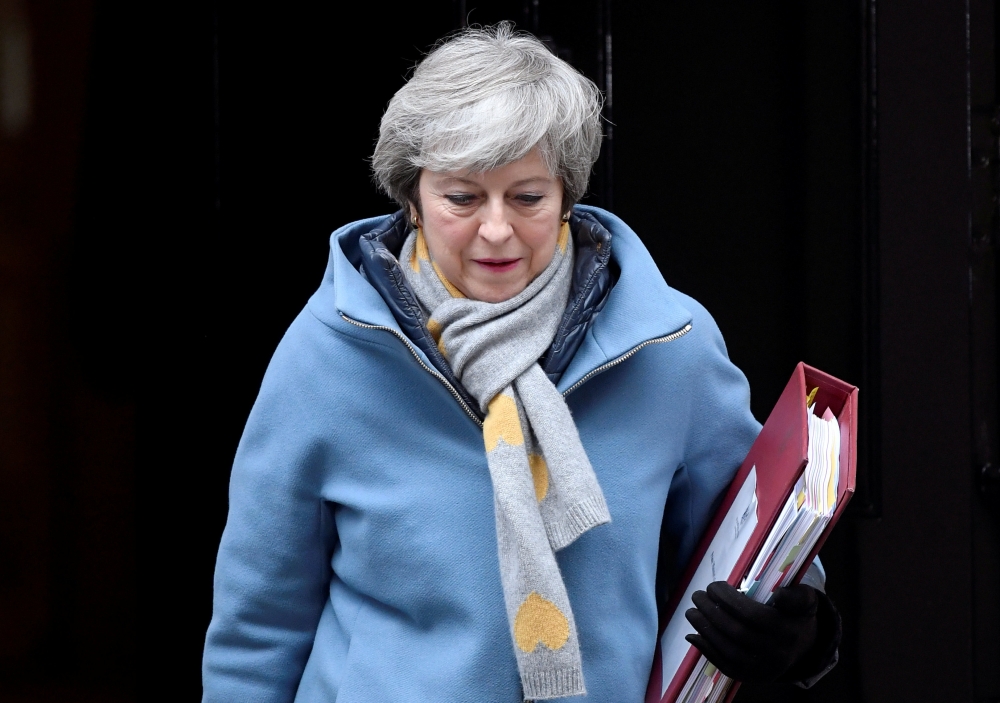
(414,214)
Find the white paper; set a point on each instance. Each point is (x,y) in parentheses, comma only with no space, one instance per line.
(791,541)
(718,563)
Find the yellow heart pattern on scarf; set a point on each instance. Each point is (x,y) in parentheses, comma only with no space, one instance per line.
(563,237)
(420,252)
(540,475)
(434,327)
(502,421)
(539,620)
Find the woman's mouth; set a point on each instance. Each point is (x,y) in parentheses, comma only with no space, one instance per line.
(497,265)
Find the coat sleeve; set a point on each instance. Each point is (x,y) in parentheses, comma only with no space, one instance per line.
(273,569)
(719,433)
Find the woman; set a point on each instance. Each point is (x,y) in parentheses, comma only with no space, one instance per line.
(452,484)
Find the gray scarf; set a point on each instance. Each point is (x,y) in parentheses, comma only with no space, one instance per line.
(545,493)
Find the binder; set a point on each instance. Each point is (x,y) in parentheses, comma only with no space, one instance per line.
(779,455)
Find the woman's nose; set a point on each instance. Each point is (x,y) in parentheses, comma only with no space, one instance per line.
(495,226)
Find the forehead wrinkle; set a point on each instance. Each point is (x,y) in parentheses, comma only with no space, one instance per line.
(448,180)
(532,179)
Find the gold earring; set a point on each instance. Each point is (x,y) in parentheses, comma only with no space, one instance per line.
(565,218)
(413,221)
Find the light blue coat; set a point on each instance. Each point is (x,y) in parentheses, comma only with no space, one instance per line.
(359,560)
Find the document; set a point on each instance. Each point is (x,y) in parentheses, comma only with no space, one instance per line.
(805,514)
(720,559)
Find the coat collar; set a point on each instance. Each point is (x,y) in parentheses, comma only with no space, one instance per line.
(639,307)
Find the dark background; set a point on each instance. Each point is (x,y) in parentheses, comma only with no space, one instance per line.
(820,175)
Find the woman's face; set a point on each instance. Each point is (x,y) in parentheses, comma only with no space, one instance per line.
(491,233)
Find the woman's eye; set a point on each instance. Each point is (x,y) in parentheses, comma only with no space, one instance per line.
(460,198)
(529,198)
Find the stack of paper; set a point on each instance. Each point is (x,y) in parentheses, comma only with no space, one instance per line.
(802,520)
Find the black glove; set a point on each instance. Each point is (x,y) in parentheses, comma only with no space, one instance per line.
(757,642)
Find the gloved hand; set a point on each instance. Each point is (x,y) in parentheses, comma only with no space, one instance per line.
(751,641)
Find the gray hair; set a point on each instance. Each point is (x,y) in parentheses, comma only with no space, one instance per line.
(481,99)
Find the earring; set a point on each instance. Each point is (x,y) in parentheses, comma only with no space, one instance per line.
(565,218)
(413,221)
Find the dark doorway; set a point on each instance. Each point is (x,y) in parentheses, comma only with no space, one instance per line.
(821,176)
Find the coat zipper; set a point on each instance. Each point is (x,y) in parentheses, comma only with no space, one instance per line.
(617,360)
(428,369)
(434,372)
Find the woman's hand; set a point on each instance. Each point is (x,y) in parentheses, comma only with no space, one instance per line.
(751,641)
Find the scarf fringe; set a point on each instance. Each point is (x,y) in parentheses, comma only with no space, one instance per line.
(558,683)
(588,513)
